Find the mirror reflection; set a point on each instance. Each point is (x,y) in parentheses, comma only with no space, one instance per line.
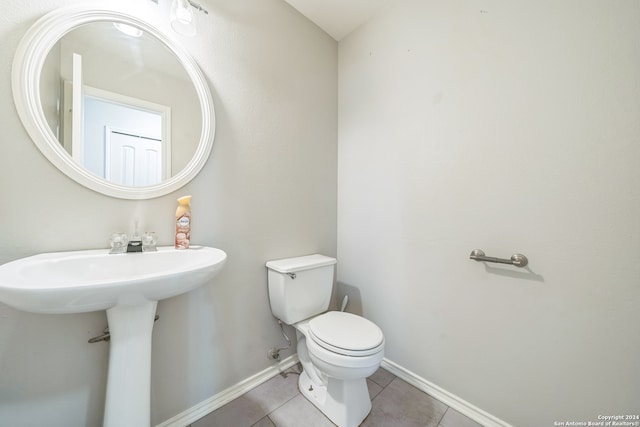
(121,104)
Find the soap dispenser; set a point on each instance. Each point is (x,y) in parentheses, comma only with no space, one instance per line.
(183,223)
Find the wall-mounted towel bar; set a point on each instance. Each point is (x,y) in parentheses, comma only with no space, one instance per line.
(518,260)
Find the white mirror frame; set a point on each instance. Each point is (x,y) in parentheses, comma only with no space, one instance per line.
(27,67)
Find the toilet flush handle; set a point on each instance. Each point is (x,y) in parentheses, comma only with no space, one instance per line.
(292,275)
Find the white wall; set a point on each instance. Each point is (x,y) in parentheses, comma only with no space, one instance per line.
(268,191)
(509,127)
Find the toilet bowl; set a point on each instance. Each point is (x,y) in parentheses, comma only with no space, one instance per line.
(337,350)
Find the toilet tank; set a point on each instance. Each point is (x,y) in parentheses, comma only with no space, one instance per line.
(300,287)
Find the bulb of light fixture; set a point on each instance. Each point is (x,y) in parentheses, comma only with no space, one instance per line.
(181,18)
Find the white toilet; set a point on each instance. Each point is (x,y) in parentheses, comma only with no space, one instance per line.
(338,350)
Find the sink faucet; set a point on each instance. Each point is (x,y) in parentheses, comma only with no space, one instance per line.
(135,243)
(120,243)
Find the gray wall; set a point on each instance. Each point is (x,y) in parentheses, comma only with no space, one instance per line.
(510,126)
(268,191)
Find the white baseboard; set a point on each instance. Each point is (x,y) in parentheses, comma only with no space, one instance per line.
(449,399)
(220,399)
(225,396)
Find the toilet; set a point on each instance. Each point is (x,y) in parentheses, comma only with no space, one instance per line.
(337,350)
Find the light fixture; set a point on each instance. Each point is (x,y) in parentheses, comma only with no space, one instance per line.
(181,18)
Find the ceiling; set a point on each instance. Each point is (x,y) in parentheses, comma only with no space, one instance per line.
(338,17)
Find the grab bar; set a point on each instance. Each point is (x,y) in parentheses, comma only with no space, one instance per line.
(518,260)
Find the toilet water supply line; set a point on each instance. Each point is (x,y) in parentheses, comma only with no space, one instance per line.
(345,301)
(274,353)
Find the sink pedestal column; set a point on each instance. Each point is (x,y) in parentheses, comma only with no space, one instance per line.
(129,379)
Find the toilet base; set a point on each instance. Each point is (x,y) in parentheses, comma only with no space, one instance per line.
(345,402)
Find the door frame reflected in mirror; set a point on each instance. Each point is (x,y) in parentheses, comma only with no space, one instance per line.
(105,111)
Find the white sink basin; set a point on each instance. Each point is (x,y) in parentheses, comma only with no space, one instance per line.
(81,281)
(129,287)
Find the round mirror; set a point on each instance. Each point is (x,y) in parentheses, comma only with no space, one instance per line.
(113,102)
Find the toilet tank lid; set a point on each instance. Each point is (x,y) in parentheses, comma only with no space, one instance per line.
(307,262)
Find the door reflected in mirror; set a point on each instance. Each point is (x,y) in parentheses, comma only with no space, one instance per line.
(121,105)
(123,142)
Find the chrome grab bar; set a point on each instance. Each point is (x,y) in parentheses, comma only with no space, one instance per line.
(518,260)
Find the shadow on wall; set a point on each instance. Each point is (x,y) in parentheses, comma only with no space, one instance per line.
(525,273)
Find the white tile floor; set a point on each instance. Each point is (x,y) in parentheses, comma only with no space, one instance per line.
(278,403)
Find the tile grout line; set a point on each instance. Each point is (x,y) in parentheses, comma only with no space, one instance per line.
(288,372)
(443,414)
(396,377)
(383,386)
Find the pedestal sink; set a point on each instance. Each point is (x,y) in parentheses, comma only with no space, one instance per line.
(129,287)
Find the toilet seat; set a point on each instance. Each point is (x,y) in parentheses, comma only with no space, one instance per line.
(346,334)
